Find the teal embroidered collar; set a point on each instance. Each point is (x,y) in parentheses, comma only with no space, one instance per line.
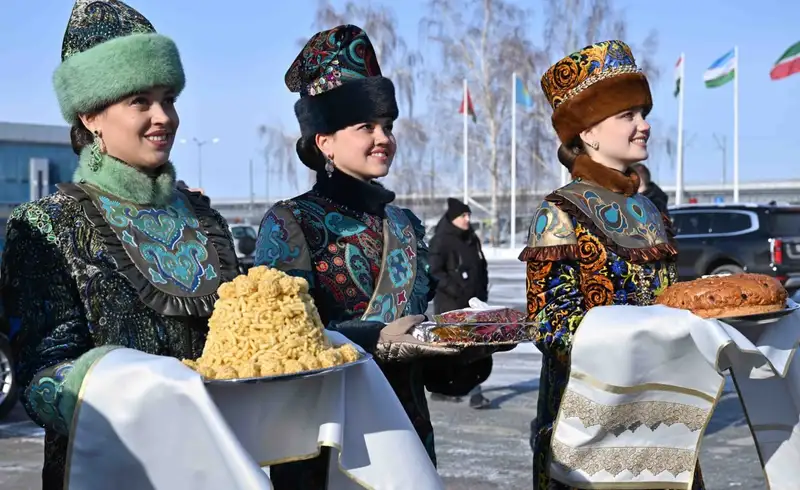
(119,179)
(175,255)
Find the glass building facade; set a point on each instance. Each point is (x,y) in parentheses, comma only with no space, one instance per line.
(17,160)
(33,159)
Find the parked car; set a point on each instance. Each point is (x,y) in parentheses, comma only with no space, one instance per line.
(244,241)
(8,386)
(735,238)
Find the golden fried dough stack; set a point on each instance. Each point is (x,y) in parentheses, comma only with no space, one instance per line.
(266,324)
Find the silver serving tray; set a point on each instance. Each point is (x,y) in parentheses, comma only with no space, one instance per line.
(425,333)
(763,318)
(365,357)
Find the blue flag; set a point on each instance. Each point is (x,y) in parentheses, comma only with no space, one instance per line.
(523,96)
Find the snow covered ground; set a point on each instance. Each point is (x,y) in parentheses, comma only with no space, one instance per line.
(477,449)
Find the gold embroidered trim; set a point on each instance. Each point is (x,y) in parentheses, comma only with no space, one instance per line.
(626,390)
(615,460)
(616,419)
(589,81)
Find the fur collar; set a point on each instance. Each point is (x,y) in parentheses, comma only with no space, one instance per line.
(119,179)
(365,197)
(587,169)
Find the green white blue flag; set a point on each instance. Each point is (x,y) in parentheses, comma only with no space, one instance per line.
(721,71)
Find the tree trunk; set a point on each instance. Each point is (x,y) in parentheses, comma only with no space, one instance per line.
(495,211)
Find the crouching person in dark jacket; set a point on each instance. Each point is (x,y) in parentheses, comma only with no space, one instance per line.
(458,264)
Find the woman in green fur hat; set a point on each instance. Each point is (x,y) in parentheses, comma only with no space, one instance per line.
(120,256)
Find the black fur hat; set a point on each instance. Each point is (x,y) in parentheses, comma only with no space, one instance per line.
(340,84)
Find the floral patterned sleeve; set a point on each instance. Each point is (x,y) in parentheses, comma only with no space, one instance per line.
(555,296)
(48,332)
(555,301)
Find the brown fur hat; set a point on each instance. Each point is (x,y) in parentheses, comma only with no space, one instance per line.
(593,84)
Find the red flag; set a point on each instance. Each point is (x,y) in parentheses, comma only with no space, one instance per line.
(788,64)
(470,108)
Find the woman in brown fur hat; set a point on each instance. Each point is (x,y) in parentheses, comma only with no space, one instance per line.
(595,241)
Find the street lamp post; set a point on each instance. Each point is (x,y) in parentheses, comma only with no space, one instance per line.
(200,144)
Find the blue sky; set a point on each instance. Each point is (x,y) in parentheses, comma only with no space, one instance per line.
(235,55)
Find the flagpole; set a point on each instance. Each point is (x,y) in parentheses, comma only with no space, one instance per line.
(466,146)
(252,194)
(736,125)
(679,164)
(513,160)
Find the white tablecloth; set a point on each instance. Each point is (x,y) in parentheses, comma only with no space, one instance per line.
(644,383)
(149,422)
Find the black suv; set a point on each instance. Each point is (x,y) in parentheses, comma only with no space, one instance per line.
(732,238)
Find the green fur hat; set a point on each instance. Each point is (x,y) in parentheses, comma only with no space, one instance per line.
(111,51)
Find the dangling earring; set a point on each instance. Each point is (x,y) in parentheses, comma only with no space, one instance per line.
(98,148)
(329,166)
(595,145)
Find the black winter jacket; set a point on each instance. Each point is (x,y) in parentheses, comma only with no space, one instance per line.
(658,196)
(458,263)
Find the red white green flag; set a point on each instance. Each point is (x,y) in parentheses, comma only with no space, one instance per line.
(787,64)
(678,76)
(470,108)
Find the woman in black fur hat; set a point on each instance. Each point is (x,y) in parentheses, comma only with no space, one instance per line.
(365,260)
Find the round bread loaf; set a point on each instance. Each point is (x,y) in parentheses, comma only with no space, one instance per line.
(726,296)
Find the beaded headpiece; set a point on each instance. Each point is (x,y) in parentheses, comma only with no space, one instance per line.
(111,51)
(340,84)
(332,58)
(592,84)
(94,22)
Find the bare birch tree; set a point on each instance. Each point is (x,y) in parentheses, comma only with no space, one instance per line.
(484,42)
(280,157)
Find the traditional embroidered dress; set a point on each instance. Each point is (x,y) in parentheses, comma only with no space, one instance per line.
(365,260)
(594,242)
(89,267)
(117,258)
(335,236)
(589,246)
